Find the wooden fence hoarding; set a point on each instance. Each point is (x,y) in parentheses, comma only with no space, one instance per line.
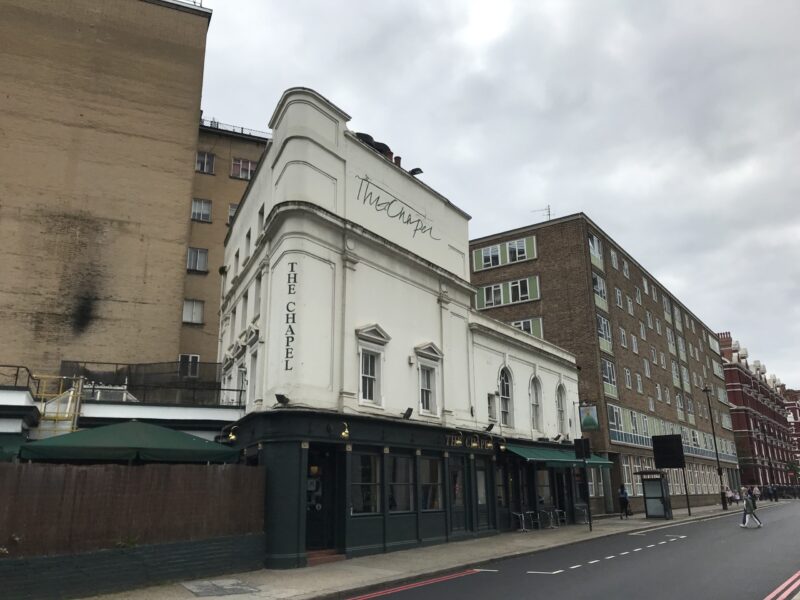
(67,509)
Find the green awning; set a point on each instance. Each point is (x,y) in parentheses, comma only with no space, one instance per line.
(128,441)
(556,457)
(9,445)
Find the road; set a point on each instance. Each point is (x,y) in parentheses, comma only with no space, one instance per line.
(707,559)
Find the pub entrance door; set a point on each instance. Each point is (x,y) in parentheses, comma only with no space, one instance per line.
(320,498)
(459,498)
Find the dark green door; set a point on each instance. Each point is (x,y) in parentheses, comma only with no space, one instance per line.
(320,499)
(458,494)
(484,493)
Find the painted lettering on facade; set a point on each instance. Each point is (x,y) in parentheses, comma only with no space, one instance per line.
(474,441)
(383,202)
(291,319)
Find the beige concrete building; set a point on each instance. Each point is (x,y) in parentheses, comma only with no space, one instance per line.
(100,105)
(227,157)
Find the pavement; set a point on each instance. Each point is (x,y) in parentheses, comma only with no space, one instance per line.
(349,578)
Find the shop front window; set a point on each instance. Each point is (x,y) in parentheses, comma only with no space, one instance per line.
(430,479)
(500,487)
(400,473)
(366,484)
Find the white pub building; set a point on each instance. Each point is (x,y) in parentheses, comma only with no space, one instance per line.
(387,412)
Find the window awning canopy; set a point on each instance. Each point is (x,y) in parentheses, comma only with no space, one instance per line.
(556,457)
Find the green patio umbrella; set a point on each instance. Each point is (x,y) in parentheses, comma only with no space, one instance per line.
(128,441)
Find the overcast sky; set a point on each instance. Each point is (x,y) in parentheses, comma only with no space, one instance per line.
(674,125)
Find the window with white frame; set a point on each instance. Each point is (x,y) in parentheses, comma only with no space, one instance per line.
(628,380)
(651,404)
(618,296)
(653,355)
(623,338)
(655,293)
(646,367)
(603,328)
(638,296)
(649,318)
(201,210)
(370,376)
(642,331)
(205,163)
(516,251)
(666,395)
(658,326)
(506,405)
(536,404)
(625,269)
(242,168)
(193,311)
(532,326)
(427,389)
(491,402)
(609,372)
(630,304)
(371,342)
(519,290)
(595,246)
(659,397)
(490,256)
(639,387)
(634,344)
(197,260)
(561,412)
(492,295)
(599,286)
(645,285)
(232,208)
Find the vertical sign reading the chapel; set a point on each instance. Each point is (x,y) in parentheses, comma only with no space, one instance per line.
(291,319)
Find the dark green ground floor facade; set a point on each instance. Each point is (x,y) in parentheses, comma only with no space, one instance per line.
(359,485)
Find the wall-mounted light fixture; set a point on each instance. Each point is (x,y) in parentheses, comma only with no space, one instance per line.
(282,399)
(502,444)
(490,426)
(407,413)
(345,432)
(459,441)
(232,434)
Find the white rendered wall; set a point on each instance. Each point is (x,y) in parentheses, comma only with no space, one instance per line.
(350,241)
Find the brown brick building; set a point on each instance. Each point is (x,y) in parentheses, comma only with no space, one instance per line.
(226,159)
(114,195)
(760,417)
(645,359)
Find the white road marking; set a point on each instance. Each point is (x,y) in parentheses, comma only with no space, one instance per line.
(545,572)
(659,543)
(591,562)
(610,557)
(651,546)
(575,567)
(636,549)
(623,553)
(487,570)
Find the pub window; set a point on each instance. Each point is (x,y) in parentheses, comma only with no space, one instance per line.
(400,473)
(430,479)
(366,484)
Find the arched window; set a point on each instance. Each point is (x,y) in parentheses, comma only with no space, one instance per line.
(560,409)
(536,404)
(506,406)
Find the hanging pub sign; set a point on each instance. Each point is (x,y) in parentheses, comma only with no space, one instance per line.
(589,420)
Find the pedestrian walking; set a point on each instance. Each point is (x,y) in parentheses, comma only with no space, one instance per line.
(623,502)
(774,492)
(756,493)
(750,512)
(729,495)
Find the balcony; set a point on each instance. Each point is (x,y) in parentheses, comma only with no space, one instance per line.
(681,416)
(597,261)
(601,302)
(691,418)
(605,345)
(610,389)
(668,316)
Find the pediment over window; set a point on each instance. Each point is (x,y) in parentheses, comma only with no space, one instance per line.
(430,351)
(373,333)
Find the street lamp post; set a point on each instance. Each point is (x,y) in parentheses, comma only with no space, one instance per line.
(723,499)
